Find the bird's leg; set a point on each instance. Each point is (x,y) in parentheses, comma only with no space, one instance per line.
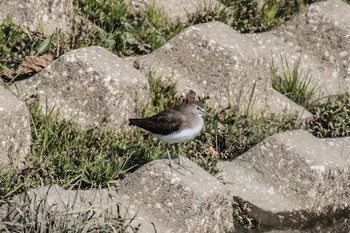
(178,154)
(169,157)
(170,162)
(180,161)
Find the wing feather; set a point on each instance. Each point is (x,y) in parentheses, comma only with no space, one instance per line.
(163,123)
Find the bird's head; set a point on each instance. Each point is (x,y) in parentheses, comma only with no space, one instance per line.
(199,108)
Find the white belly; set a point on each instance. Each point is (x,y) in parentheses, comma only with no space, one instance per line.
(182,136)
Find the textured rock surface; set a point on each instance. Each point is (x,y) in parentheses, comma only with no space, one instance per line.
(319,33)
(52,15)
(212,59)
(15,135)
(91,82)
(172,202)
(217,61)
(54,196)
(292,177)
(323,29)
(184,203)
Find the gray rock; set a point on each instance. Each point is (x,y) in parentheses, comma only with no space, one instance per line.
(324,29)
(54,196)
(320,34)
(51,15)
(292,178)
(91,82)
(183,203)
(15,131)
(212,59)
(215,60)
(152,195)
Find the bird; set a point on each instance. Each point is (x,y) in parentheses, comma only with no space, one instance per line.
(175,125)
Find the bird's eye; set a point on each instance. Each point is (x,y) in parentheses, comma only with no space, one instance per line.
(198,108)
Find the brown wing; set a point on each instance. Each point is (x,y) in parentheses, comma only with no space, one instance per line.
(164,122)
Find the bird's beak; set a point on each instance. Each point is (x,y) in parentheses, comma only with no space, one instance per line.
(210,115)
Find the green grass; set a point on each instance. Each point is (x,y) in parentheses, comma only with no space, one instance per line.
(331,118)
(64,153)
(331,114)
(248,17)
(294,84)
(18,47)
(163,92)
(133,30)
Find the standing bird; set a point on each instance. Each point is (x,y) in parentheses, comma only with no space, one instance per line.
(175,125)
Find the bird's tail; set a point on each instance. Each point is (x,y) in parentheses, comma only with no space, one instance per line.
(133,122)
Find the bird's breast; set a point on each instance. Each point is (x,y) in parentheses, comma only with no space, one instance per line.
(182,135)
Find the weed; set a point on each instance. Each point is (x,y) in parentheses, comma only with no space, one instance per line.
(331,118)
(163,91)
(67,151)
(241,215)
(248,16)
(208,13)
(240,131)
(8,186)
(19,47)
(62,152)
(293,84)
(15,46)
(134,30)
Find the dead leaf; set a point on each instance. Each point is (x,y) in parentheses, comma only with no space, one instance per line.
(29,66)
(24,29)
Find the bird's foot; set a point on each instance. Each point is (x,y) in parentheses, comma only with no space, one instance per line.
(175,169)
(181,164)
(171,165)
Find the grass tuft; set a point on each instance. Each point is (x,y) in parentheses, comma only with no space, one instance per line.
(293,84)
(240,131)
(249,16)
(163,91)
(134,30)
(241,215)
(64,151)
(331,118)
